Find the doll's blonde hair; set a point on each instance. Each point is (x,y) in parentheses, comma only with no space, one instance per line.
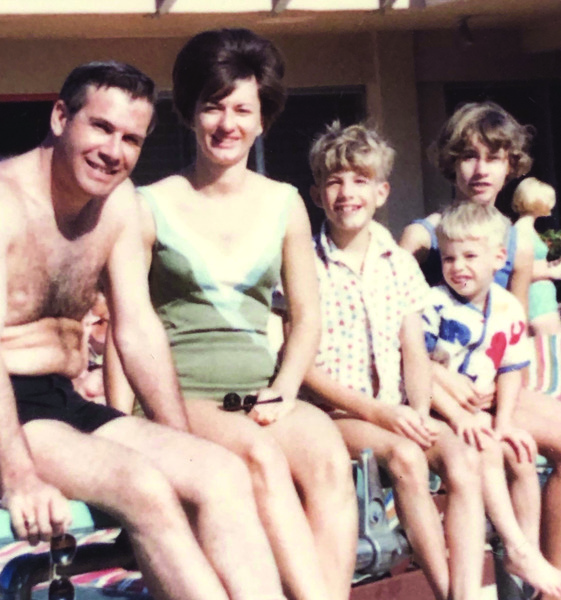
(533,196)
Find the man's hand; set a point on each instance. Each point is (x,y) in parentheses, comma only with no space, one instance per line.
(38,510)
(265,414)
(474,429)
(405,421)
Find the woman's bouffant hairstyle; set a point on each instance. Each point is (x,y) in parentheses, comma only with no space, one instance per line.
(496,128)
(354,148)
(210,63)
(533,196)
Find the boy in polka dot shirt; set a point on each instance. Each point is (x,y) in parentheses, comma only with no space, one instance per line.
(372,370)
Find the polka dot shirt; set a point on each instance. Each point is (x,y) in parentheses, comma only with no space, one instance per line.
(362,313)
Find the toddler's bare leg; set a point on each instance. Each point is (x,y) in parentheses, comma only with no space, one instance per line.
(522,558)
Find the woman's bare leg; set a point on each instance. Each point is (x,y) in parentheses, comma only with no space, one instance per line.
(278,503)
(321,468)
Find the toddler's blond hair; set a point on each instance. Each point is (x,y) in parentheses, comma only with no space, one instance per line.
(469,220)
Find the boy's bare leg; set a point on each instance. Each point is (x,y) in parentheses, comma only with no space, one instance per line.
(278,503)
(126,484)
(540,415)
(522,558)
(525,494)
(322,470)
(464,519)
(407,466)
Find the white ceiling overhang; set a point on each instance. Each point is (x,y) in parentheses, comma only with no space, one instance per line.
(75,7)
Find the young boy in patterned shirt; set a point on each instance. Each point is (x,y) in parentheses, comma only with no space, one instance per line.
(476,328)
(372,295)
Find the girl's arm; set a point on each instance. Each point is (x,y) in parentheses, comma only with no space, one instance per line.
(522,272)
(416,240)
(509,385)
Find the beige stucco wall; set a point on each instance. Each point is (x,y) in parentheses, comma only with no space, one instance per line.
(39,66)
(383,63)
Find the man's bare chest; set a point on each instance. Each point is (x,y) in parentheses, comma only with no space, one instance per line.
(53,276)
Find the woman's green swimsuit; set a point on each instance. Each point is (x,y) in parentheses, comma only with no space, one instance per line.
(215,307)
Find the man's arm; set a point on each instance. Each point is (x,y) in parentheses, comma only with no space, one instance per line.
(139,336)
(37,509)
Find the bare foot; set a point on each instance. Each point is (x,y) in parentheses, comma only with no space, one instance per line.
(529,564)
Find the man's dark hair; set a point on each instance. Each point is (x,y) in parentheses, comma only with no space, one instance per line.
(108,74)
(209,65)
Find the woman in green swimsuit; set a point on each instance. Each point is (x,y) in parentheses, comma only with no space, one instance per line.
(219,238)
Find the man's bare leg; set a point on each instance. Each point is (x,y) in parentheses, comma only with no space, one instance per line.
(540,415)
(407,466)
(522,558)
(126,484)
(278,503)
(322,470)
(464,519)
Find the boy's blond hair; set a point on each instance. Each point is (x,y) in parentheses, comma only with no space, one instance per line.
(491,124)
(354,148)
(533,196)
(472,221)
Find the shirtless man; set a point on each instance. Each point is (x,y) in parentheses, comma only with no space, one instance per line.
(69,217)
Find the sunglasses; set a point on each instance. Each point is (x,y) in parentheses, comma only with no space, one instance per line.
(233,402)
(63,549)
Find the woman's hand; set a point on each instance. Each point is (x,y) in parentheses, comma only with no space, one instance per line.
(265,414)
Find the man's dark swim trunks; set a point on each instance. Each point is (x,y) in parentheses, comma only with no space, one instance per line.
(53,397)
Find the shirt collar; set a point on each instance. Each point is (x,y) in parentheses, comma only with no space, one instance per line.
(381,243)
(486,308)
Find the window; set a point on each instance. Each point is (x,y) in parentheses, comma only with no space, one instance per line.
(282,154)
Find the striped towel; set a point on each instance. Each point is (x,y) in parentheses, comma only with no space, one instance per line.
(544,371)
